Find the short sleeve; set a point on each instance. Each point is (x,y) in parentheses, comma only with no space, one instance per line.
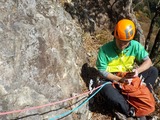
(142,54)
(101,62)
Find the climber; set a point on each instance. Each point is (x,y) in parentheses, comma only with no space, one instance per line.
(120,55)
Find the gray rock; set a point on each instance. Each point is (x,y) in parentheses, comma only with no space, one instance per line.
(41,56)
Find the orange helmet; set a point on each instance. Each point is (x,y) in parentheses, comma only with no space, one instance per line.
(124,30)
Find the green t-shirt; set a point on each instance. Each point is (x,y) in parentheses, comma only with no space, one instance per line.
(111,59)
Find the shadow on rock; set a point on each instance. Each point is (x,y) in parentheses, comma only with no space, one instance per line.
(97,104)
(88,73)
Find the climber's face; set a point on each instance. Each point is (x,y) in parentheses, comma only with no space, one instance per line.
(122,44)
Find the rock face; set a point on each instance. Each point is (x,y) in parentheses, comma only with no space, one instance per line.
(41,56)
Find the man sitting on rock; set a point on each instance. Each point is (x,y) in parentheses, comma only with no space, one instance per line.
(120,55)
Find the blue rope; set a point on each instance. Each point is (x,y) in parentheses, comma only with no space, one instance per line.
(76,108)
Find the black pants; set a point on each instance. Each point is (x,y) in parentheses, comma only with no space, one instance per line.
(150,75)
(117,101)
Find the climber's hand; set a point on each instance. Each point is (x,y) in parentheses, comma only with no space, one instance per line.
(132,74)
(125,80)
